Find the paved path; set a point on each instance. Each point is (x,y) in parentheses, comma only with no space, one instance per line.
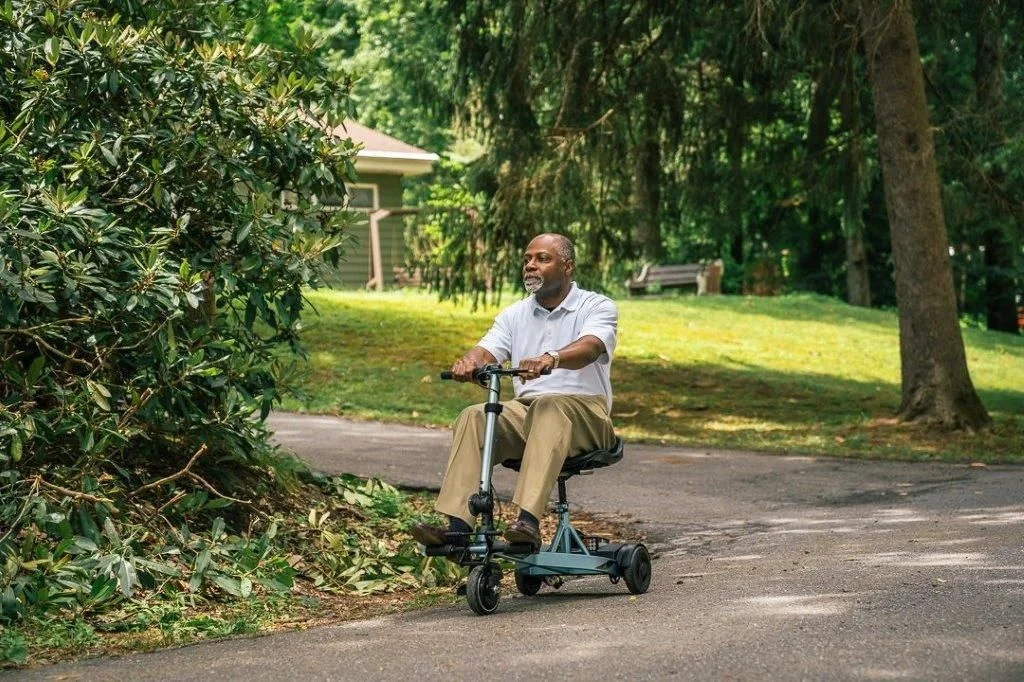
(766,567)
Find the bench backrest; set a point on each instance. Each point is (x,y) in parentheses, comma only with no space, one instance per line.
(663,270)
(668,274)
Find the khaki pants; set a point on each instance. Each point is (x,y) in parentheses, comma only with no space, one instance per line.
(542,431)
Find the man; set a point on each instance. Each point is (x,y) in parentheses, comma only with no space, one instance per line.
(561,328)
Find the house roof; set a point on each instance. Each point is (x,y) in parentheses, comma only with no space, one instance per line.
(385,154)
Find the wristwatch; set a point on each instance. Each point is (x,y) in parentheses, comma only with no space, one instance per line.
(555,357)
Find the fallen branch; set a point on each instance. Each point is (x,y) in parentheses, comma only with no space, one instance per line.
(168,503)
(72,493)
(200,479)
(187,471)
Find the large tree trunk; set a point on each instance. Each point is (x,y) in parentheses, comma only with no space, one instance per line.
(858,281)
(936,384)
(1000,288)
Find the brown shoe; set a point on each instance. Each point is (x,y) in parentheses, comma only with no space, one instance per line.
(437,535)
(429,535)
(522,533)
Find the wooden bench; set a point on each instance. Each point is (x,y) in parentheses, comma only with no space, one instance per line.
(707,278)
(403,278)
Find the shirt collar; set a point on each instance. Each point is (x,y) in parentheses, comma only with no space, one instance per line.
(569,303)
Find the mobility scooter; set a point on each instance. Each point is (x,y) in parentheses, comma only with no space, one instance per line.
(569,554)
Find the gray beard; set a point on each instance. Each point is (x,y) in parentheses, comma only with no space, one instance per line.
(533,284)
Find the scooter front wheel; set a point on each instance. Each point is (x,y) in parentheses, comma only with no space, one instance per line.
(483,591)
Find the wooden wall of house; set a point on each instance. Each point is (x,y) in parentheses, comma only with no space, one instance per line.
(354,270)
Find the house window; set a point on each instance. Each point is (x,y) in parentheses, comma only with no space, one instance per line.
(358,198)
(363,197)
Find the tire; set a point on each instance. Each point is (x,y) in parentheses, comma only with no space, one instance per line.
(638,574)
(528,585)
(483,590)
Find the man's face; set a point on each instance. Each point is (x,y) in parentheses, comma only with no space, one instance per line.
(544,271)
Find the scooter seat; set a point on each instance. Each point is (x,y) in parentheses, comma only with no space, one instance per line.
(580,463)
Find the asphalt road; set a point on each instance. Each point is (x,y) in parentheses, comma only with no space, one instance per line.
(766,567)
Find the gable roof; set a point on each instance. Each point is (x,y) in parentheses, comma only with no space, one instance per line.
(385,154)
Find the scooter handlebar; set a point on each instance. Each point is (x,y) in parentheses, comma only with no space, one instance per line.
(487,370)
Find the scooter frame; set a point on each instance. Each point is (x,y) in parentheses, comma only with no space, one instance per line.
(568,554)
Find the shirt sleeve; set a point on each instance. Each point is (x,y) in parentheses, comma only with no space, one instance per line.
(602,322)
(498,341)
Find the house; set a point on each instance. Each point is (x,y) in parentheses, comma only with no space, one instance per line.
(378,244)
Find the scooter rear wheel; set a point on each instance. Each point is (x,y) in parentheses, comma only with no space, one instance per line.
(638,574)
(528,585)
(483,590)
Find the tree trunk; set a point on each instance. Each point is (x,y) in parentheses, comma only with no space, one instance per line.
(858,281)
(1000,288)
(735,141)
(810,261)
(647,199)
(936,384)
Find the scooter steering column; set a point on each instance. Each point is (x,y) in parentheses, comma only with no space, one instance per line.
(482,503)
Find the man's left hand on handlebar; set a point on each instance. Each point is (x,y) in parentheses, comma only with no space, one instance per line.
(534,367)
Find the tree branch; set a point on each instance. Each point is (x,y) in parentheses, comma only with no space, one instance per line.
(72,493)
(43,345)
(187,471)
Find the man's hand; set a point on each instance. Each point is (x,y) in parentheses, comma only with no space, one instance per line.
(535,367)
(476,358)
(464,367)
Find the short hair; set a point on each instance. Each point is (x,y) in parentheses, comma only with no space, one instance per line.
(563,245)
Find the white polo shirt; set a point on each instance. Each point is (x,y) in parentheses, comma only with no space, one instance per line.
(526,330)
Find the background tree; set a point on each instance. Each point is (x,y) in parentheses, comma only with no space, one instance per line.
(1000,289)
(973,69)
(936,382)
(393,54)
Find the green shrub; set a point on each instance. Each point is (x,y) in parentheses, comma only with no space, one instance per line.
(151,279)
(141,170)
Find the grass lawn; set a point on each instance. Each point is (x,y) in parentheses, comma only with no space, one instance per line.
(794,374)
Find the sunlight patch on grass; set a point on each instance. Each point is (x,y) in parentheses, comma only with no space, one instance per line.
(324,358)
(736,424)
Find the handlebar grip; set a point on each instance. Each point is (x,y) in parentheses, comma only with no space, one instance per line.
(447,375)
